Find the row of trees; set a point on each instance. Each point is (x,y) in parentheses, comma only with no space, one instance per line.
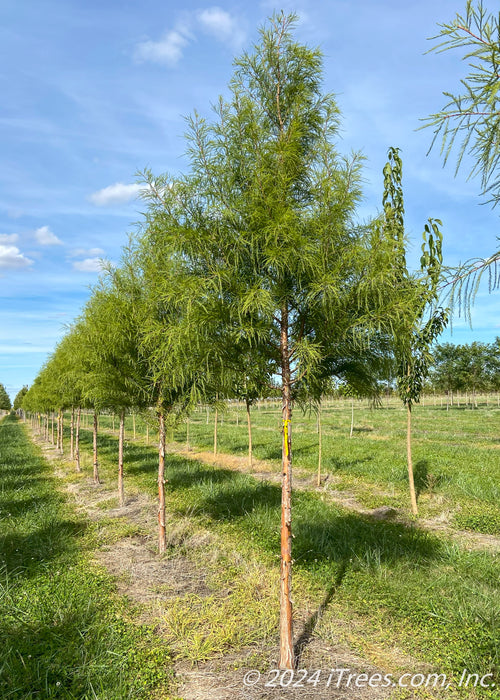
(468,368)
(5,404)
(250,273)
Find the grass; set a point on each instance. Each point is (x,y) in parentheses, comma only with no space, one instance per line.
(384,586)
(455,452)
(64,633)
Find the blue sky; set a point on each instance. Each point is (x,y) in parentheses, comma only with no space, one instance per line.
(94,91)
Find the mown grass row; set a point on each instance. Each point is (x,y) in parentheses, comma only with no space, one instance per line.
(404,588)
(64,633)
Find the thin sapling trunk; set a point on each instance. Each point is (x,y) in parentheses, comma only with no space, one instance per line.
(121,494)
(72,434)
(77,439)
(287,659)
(319,446)
(96,465)
(249,422)
(162,533)
(413,498)
(215,429)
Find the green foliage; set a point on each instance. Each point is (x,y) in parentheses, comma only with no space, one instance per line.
(473,115)
(472,118)
(18,400)
(116,373)
(5,404)
(422,323)
(473,368)
(262,227)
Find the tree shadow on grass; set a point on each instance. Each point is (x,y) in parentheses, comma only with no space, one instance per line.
(424,479)
(305,450)
(312,622)
(342,464)
(322,532)
(18,507)
(25,554)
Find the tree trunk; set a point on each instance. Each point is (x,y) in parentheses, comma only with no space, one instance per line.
(413,498)
(72,434)
(52,426)
(352,417)
(249,422)
(121,493)
(96,465)
(319,445)
(61,429)
(77,439)
(287,660)
(215,430)
(133,424)
(162,533)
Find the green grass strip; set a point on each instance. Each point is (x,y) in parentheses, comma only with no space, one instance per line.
(406,587)
(64,633)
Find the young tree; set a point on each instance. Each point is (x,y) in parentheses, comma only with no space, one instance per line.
(263,235)
(117,372)
(171,373)
(422,323)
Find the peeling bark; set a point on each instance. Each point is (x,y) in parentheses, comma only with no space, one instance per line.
(162,533)
(287,660)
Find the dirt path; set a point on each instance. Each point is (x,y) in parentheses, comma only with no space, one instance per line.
(155,584)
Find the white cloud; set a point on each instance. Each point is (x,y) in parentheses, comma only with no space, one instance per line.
(44,236)
(166,51)
(11,258)
(7,238)
(115,194)
(88,265)
(221,25)
(213,21)
(86,252)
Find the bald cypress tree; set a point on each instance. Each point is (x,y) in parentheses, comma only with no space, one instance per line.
(263,233)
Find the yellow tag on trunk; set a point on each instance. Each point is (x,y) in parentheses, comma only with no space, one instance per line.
(285,430)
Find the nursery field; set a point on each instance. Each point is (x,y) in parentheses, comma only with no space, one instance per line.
(456,452)
(370,592)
